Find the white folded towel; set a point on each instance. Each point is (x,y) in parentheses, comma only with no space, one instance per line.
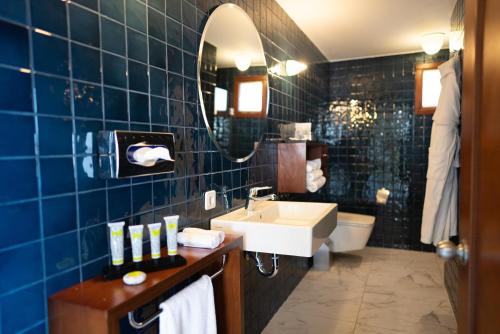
(190,311)
(312,176)
(312,165)
(220,234)
(200,240)
(316,185)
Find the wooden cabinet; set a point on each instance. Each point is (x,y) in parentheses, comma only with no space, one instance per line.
(292,157)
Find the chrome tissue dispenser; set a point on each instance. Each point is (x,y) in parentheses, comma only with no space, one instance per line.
(130,154)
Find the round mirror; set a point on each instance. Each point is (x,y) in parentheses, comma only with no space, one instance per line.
(232,82)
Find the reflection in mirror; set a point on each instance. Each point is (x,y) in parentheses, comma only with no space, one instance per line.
(233,82)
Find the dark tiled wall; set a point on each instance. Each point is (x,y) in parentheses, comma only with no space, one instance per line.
(70,69)
(376,141)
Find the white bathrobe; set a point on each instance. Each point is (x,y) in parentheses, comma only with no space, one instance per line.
(439,218)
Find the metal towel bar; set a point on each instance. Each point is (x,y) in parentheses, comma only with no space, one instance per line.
(140,325)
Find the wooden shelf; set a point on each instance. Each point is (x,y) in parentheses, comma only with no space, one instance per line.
(96,305)
(292,158)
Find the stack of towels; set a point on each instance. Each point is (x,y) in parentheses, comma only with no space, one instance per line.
(200,238)
(314,175)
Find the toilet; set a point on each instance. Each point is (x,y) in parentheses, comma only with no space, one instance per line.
(352,232)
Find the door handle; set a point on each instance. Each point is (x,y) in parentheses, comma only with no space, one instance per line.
(447,250)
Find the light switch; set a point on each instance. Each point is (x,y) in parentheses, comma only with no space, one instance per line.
(210,200)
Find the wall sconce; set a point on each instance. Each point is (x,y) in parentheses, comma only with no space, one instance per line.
(242,62)
(288,68)
(432,43)
(456,40)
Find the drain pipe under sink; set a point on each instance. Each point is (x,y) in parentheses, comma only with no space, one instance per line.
(261,267)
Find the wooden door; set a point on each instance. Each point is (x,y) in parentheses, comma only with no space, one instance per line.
(479,279)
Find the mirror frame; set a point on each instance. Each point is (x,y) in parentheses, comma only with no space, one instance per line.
(200,94)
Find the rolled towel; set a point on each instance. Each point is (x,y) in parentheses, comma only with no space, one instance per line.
(316,185)
(312,176)
(312,165)
(198,240)
(220,234)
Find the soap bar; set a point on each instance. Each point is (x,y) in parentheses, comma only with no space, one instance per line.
(134,277)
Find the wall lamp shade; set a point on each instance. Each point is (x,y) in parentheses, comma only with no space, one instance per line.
(456,40)
(242,62)
(288,68)
(432,43)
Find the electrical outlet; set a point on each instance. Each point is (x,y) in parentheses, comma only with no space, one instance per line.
(210,200)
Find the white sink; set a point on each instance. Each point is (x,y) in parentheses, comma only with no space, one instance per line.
(287,228)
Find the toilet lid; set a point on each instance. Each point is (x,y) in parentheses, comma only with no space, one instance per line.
(354,219)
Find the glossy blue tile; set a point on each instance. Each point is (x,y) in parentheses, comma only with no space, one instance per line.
(59,215)
(173,9)
(115,104)
(189,65)
(136,15)
(61,253)
(158,82)
(86,63)
(174,56)
(158,4)
(14,41)
(50,54)
(119,203)
(115,70)
(52,96)
(92,208)
(86,136)
(21,183)
(15,90)
(190,139)
(176,112)
(189,40)
(94,269)
(55,135)
(159,110)
(137,46)
(84,26)
(93,242)
(142,198)
(191,115)
(175,86)
(113,36)
(88,102)
(189,15)
(20,223)
(161,193)
(49,16)
(92,4)
(137,77)
(62,281)
(113,9)
(177,190)
(88,173)
(57,176)
(156,24)
(20,266)
(18,135)
(174,33)
(193,187)
(179,138)
(190,90)
(14,10)
(139,107)
(23,308)
(157,53)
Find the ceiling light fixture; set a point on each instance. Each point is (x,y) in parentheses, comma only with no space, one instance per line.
(288,68)
(242,62)
(432,43)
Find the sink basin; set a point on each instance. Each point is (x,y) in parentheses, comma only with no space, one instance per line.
(280,227)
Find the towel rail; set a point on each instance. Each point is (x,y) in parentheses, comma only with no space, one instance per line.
(156,315)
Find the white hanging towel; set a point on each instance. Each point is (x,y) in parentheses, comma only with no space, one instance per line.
(190,311)
(439,217)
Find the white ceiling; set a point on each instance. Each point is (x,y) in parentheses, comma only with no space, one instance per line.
(350,29)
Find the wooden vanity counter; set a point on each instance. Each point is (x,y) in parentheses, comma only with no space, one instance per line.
(96,306)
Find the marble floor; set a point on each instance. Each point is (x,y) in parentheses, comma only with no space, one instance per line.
(376,290)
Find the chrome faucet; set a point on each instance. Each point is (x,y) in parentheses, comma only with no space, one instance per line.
(253,196)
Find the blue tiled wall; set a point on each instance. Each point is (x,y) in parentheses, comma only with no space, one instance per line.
(72,68)
(379,143)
